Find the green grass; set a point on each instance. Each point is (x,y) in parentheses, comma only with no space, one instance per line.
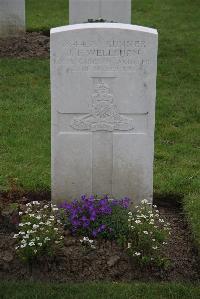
(25,123)
(45,14)
(10,290)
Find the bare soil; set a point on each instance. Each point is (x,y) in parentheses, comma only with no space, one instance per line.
(107,262)
(29,45)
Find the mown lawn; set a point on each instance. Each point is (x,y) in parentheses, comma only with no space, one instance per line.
(99,291)
(25,127)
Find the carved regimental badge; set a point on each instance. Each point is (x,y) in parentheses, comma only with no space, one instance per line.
(104,115)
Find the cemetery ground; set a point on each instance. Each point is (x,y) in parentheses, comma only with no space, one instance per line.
(25,140)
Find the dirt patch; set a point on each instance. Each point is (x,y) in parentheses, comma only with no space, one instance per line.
(32,44)
(107,262)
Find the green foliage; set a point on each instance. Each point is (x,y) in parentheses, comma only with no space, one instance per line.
(39,231)
(103,290)
(147,235)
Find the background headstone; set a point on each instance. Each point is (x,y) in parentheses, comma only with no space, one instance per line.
(12,17)
(110,10)
(103,80)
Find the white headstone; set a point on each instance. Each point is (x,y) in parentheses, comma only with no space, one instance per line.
(110,10)
(12,17)
(103,80)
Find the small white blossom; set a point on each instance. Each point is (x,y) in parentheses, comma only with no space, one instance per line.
(129,245)
(137,253)
(145,232)
(144,201)
(35,226)
(137,221)
(31,244)
(20,213)
(35,203)
(155,247)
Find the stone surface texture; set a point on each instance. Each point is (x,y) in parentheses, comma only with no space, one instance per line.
(103,87)
(110,10)
(12,18)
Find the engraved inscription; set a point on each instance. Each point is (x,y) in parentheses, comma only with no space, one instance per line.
(105,55)
(104,115)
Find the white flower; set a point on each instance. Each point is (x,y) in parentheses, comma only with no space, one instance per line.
(164,243)
(55,228)
(132,227)
(38,217)
(130,213)
(55,209)
(41,223)
(35,250)
(35,203)
(129,219)
(15,236)
(57,242)
(23,241)
(154,247)
(26,236)
(28,205)
(137,253)
(155,206)
(31,244)
(151,221)
(16,247)
(129,245)
(47,239)
(137,221)
(23,245)
(40,244)
(21,224)
(161,220)
(21,233)
(35,226)
(20,213)
(46,206)
(145,232)
(48,223)
(153,240)
(32,215)
(93,247)
(144,201)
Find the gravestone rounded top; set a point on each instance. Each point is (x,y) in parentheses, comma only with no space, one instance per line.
(103,26)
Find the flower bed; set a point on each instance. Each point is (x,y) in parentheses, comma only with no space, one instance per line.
(128,244)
